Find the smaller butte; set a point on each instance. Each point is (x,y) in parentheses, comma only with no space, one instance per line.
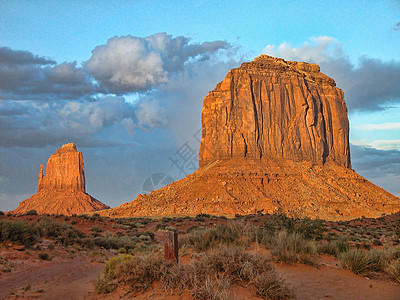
(62,190)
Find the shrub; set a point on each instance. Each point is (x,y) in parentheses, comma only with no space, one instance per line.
(361,261)
(104,286)
(31,212)
(269,286)
(18,231)
(203,216)
(393,270)
(207,277)
(170,228)
(224,234)
(112,264)
(327,248)
(139,271)
(311,229)
(286,246)
(96,229)
(213,287)
(44,256)
(112,242)
(1,213)
(342,245)
(63,233)
(279,222)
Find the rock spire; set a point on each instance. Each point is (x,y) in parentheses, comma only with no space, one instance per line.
(62,189)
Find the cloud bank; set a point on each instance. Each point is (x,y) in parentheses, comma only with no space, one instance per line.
(45,103)
(133,64)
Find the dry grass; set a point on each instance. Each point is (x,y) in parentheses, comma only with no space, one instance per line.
(361,261)
(393,269)
(208,277)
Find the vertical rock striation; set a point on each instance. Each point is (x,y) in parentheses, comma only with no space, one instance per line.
(62,190)
(275,108)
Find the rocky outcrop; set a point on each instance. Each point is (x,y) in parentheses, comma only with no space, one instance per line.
(247,186)
(62,189)
(275,108)
(275,137)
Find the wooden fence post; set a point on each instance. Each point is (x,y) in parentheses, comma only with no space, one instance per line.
(171,246)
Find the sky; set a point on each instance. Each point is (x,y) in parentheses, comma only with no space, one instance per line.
(125,81)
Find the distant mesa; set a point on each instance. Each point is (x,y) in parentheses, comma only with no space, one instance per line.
(62,190)
(275,136)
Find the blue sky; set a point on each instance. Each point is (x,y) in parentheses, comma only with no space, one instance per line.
(125,80)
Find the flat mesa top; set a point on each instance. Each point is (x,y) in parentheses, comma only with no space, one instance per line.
(265,64)
(67,147)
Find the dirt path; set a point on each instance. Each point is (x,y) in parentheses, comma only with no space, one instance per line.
(307,282)
(72,279)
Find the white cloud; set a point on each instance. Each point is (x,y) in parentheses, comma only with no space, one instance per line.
(134,64)
(378,144)
(150,114)
(384,126)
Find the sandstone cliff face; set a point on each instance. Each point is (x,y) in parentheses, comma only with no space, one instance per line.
(64,171)
(62,189)
(274,108)
(275,137)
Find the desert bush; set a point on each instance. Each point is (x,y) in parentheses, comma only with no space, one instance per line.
(269,286)
(170,228)
(311,229)
(96,229)
(207,277)
(213,287)
(361,261)
(44,256)
(18,231)
(224,234)
(203,216)
(286,246)
(327,247)
(63,233)
(70,236)
(393,269)
(31,212)
(104,286)
(112,242)
(94,217)
(279,222)
(112,264)
(139,271)
(1,213)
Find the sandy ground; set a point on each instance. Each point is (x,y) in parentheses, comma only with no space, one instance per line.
(73,279)
(70,279)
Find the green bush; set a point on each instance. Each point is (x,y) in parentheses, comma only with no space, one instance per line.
(63,233)
(311,229)
(31,212)
(279,222)
(1,213)
(18,231)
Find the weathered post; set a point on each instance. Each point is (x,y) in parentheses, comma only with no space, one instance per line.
(171,246)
